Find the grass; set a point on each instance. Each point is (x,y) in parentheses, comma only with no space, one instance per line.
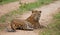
(37,4)
(23,8)
(54,27)
(6,1)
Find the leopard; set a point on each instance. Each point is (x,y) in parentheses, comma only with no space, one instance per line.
(34,19)
(31,23)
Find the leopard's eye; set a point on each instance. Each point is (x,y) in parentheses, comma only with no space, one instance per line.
(40,11)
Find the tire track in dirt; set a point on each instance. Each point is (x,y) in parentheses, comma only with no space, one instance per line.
(19,32)
(6,8)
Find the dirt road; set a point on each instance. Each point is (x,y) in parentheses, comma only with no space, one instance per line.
(46,17)
(6,8)
(19,32)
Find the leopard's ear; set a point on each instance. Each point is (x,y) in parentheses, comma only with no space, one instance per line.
(33,11)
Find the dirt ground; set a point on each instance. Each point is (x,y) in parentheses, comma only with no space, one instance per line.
(47,12)
(6,8)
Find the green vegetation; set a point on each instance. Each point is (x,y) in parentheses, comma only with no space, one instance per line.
(53,28)
(31,6)
(23,8)
(6,1)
